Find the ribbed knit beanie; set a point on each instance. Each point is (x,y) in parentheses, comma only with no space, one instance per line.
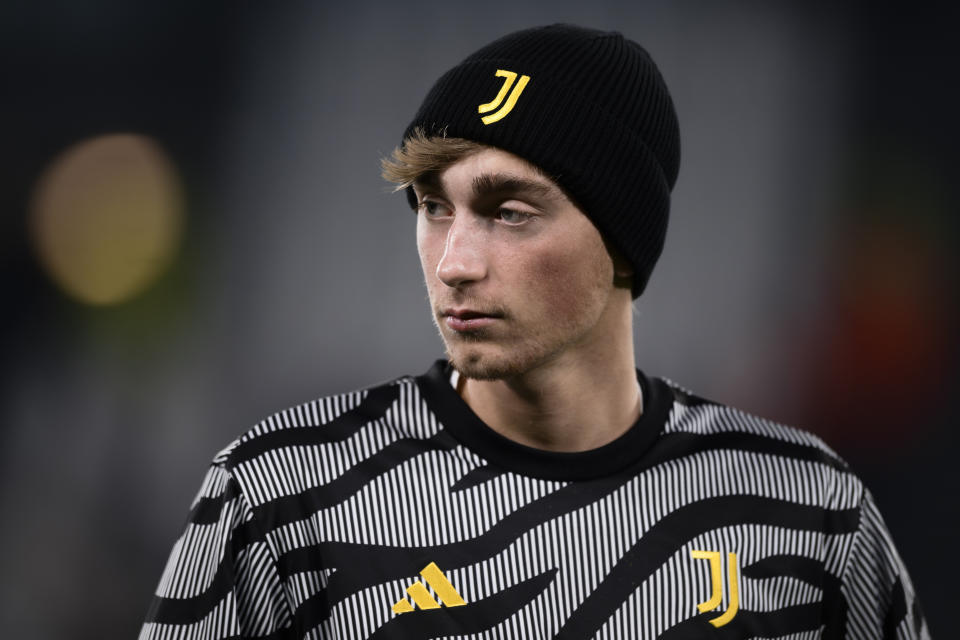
(587,107)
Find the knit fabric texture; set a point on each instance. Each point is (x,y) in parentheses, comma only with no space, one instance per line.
(594,113)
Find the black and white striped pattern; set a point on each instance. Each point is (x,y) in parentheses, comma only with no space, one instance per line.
(315,522)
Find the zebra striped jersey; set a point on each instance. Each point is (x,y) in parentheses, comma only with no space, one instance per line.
(394,512)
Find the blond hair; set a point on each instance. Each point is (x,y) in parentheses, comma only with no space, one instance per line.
(421,154)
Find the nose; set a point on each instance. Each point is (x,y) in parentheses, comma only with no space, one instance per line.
(464,259)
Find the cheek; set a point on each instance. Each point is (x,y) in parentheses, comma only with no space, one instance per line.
(427,250)
(570,280)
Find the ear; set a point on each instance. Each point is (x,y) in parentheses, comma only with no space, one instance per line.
(621,266)
(622,269)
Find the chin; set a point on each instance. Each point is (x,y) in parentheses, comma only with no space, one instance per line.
(473,361)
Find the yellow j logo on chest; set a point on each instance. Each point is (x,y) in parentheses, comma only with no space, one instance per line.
(716,580)
(508,79)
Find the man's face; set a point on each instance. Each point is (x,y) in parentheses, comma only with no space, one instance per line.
(518,277)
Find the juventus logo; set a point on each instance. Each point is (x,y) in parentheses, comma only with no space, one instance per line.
(716,578)
(509,77)
(421,597)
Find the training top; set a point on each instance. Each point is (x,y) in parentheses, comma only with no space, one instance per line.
(395,512)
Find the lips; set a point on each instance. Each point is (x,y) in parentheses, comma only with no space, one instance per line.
(468,319)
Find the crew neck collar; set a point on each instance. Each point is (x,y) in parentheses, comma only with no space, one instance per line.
(464,425)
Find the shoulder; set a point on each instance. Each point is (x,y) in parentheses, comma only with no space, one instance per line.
(742,442)
(312,443)
(697,415)
(326,418)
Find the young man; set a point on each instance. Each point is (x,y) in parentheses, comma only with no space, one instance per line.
(534,484)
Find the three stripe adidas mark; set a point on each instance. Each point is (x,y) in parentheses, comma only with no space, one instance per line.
(422,598)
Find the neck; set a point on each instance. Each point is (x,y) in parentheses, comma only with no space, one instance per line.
(580,399)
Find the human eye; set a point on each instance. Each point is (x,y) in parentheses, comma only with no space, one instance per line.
(513,216)
(434,209)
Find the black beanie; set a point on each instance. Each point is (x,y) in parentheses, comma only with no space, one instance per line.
(587,107)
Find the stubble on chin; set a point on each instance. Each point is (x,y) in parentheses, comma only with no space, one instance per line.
(476,366)
(470,353)
(479,368)
(499,352)
(514,349)
(474,356)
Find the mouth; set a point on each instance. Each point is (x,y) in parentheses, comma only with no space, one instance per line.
(462,320)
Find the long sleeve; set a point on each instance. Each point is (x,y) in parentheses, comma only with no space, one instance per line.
(221,580)
(880,599)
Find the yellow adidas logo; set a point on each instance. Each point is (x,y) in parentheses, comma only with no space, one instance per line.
(422,598)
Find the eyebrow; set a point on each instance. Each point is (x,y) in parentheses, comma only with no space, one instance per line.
(492,183)
(489,184)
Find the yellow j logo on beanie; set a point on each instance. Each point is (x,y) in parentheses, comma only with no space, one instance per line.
(509,77)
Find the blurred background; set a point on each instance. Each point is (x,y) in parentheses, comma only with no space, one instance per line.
(194,235)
